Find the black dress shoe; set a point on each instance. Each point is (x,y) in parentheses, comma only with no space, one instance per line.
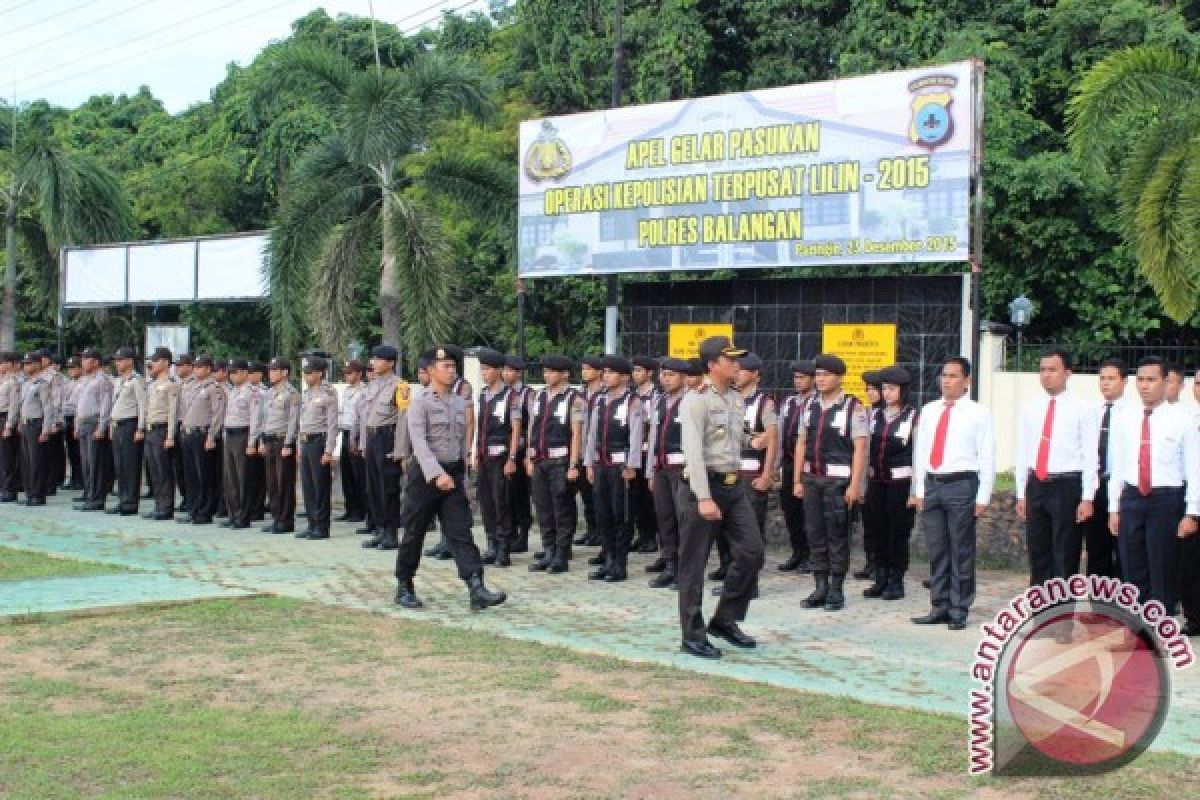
(957,624)
(718,574)
(268,529)
(129,512)
(364,530)
(406,596)
(186,519)
(615,576)
(303,534)
(288,529)
(92,507)
(730,632)
(227,523)
(658,565)
(36,501)
(202,521)
(932,618)
(701,649)
(79,499)
(114,510)
(598,574)
(158,516)
(597,560)
(239,526)
(789,565)
(318,535)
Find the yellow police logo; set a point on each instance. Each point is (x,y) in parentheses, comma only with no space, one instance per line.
(931,124)
(547,157)
(403,395)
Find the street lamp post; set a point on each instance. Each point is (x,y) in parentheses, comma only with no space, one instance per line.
(1020,311)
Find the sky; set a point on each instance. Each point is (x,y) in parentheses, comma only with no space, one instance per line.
(65,51)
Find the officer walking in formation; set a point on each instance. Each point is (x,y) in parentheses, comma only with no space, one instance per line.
(351,466)
(383,437)
(273,434)
(832,449)
(202,423)
(664,467)
(712,499)
(240,407)
(791,420)
(440,439)
(318,442)
(555,455)
(127,431)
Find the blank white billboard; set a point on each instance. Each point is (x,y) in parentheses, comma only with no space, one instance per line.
(182,271)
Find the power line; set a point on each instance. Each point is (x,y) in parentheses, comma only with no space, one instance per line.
(73,31)
(38,22)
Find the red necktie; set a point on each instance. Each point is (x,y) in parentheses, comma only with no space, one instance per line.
(1042,470)
(938,454)
(1145,483)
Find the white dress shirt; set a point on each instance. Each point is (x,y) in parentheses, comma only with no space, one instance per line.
(1174,451)
(970,445)
(1074,441)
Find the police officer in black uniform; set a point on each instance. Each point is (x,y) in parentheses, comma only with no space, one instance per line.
(555,455)
(791,416)
(893,433)
(664,466)
(497,441)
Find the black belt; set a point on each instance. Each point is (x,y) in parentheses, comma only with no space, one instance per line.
(723,478)
(309,437)
(271,437)
(375,428)
(88,418)
(952,477)
(158,426)
(200,428)
(1057,476)
(242,429)
(124,421)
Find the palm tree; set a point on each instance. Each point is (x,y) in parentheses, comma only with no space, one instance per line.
(356,195)
(1137,114)
(53,197)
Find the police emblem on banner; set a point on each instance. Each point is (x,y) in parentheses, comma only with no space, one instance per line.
(547,157)
(931,124)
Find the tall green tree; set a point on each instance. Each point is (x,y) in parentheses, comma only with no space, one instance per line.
(1136,116)
(52,196)
(354,189)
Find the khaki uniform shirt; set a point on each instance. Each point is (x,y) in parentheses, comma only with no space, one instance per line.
(278,415)
(319,414)
(187,388)
(239,406)
(437,427)
(95,399)
(129,400)
(162,407)
(34,404)
(712,435)
(386,402)
(206,408)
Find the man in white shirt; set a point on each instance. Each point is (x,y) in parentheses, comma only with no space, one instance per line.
(1154,490)
(1055,471)
(1189,548)
(954,468)
(1101,546)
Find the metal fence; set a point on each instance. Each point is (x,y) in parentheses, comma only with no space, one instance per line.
(1177,352)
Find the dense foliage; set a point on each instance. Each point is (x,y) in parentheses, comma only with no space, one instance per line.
(228,164)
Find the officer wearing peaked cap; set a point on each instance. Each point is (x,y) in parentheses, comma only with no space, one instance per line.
(162,417)
(664,466)
(127,431)
(712,499)
(273,433)
(384,439)
(317,440)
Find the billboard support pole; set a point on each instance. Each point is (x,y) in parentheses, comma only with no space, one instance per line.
(521,318)
(618,60)
(976,218)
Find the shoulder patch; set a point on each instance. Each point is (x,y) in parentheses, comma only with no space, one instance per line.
(403,395)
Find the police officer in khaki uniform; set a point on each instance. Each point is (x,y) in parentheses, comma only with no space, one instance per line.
(183,375)
(352,467)
(256,471)
(56,454)
(438,431)
(240,407)
(127,429)
(832,447)
(91,426)
(162,417)
(383,437)
(34,419)
(70,406)
(555,455)
(664,467)
(711,498)
(317,441)
(202,424)
(10,451)
(273,434)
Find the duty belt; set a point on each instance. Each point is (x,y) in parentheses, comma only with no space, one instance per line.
(308,437)
(952,477)
(723,478)
(238,429)
(158,426)
(193,428)
(373,428)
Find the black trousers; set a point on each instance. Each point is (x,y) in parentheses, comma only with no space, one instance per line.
(1054,539)
(422,503)
(33,460)
(281,482)
(948,522)
(160,461)
(520,500)
(200,470)
(56,461)
(256,486)
(793,513)
(492,489)
(666,487)
(127,462)
(384,474)
(1101,545)
(1189,577)
(614,520)
(177,466)
(1148,535)
(886,508)
(218,457)
(696,536)
(72,443)
(828,522)
(97,462)
(642,502)
(589,506)
(10,460)
(554,502)
(353,471)
(316,481)
(234,474)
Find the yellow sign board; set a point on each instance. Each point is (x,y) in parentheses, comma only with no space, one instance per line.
(684,338)
(864,347)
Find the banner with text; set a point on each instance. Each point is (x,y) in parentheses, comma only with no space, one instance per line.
(859,171)
(864,348)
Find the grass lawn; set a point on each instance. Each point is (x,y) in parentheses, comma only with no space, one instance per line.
(23,565)
(271,698)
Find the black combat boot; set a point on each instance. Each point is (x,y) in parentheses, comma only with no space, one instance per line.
(560,556)
(835,600)
(649,544)
(657,565)
(877,588)
(481,597)
(543,563)
(868,570)
(521,545)
(371,544)
(406,594)
(791,564)
(602,572)
(489,556)
(666,578)
(502,559)
(617,567)
(817,598)
(895,585)
(389,540)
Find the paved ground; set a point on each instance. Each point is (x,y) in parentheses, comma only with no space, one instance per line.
(870,651)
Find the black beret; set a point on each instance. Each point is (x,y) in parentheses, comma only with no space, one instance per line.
(73,361)
(514,362)
(184,359)
(204,361)
(618,364)
(557,362)
(385,351)
(239,363)
(830,363)
(491,358)
(716,346)
(280,363)
(423,361)
(31,358)
(680,365)
(125,352)
(645,362)
(751,361)
(353,365)
(897,376)
(42,352)
(12,358)
(221,363)
(255,366)
(312,363)
(595,362)
(697,367)
(872,378)
(804,367)
(160,354)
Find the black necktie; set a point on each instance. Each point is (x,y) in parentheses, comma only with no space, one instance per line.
(1104,438)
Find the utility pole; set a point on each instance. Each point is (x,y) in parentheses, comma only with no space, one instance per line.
(618,62)
(374,37)
(8,337)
